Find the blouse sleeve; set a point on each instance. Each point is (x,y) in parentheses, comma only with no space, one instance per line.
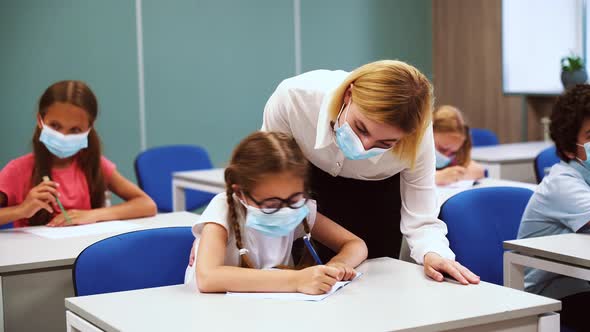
(419,214)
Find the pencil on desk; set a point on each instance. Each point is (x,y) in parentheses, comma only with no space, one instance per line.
(314,254)
(61,207)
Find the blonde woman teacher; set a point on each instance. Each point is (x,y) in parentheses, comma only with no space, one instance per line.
(368,136)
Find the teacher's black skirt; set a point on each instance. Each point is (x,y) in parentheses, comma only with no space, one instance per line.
(369,209)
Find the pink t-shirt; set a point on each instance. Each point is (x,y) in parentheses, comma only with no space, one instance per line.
(15,179)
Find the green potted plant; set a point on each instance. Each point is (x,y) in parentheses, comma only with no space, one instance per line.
(572,71)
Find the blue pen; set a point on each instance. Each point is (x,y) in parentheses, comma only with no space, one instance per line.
(311,249)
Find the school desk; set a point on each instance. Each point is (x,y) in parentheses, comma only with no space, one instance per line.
(392,295)
(565,254)
(36,273)
(510,161)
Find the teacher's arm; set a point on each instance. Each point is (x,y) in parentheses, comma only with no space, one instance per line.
(425,233)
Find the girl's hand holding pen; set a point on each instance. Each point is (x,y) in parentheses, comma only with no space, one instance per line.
(316,280)
(42,196)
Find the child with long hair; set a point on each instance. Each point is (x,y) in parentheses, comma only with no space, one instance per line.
(67,164)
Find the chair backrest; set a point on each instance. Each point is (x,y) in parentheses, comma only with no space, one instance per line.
(142,259)
(544,160)
(483,137)
(154,168)
(479,221)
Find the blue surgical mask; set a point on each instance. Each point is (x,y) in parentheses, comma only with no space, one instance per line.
(583,166)
(60,145)
(442,161)
(349,143)
(280,223)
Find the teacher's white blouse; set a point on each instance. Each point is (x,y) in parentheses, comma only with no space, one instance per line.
(299,107)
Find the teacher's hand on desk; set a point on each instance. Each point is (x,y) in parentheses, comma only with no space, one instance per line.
(435,266)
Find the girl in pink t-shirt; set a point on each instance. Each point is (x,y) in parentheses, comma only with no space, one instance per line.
(66,147)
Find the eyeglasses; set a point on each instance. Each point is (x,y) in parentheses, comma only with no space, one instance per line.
(274,204)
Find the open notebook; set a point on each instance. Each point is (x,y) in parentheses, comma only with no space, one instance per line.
(295,296)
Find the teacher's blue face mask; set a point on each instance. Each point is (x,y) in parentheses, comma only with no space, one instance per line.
(349,143)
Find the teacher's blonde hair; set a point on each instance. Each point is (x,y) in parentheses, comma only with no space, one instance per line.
(391,92)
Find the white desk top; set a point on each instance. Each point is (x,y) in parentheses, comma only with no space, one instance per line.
(568,248)
(509,153)
(444,193)
(214,177)
(21,251)
(391,295)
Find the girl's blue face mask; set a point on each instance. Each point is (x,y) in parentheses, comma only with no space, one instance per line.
(349,143)
(280,223)
(442,161)
(60,145)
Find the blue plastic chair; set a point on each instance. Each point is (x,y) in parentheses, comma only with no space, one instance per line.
(479,221)
(483,137)
(142,259)
(544,160)
(154,168)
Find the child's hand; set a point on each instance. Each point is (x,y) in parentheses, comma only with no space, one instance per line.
(39,197)
(345,272)
(317,279)
(450,175)
(77,217)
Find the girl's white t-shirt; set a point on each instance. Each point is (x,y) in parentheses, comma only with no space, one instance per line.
(264,251)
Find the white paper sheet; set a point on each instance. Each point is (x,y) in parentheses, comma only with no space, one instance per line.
(82,230)
(463,184)
(295,296)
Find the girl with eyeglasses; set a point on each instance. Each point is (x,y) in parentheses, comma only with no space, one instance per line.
(250,229)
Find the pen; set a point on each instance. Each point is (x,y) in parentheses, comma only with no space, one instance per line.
(311,249)
(61,207)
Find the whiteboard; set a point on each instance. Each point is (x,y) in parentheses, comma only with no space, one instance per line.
(536,34)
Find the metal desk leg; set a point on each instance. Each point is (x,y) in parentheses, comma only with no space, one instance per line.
(178,197)
(513,273)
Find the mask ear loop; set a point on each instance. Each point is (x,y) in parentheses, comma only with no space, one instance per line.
(346,111)
(240,199)
(347,107)
(580,160)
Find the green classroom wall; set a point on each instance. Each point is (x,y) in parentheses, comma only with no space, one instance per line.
(208,75)
(210,65)
(345,34)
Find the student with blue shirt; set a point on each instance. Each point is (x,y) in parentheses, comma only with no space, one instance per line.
(561,203)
